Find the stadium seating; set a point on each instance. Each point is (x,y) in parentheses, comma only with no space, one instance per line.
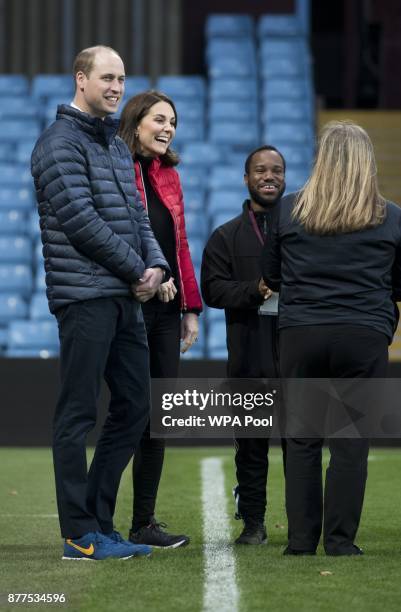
(16,278)
(12,307)
(135,85)
(44,85)
(13,85)
(33,338)
(182,86)
(258,91)
(229,25)
(13,222)
(216,340)
(39,308)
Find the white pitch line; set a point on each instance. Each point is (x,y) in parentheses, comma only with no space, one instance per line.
(220,586)
(23,516)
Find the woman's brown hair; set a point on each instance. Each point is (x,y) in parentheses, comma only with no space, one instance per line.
(134,111)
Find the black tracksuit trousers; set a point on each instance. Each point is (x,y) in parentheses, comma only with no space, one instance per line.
(328,351)
(163,332)
(99,338)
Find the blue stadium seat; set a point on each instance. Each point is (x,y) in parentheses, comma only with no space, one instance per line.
(7,151)
(45,85)
(17,175)
(293,132)
(192,177)
(216,340)
(33,225)
(284,67)
(215,315)
(279,25)
(296,177)
(291,48)
(240,134)
(15,249)
(16,278)
(227,200)
(196,246)
(17,107)
(16,130)
(285,109)
(32,336)
(234,88)
(245,110)
(12,307)
(49,108)
(39,308)
(294,88)
(31,353)
(194,200)
(195,352)
(14,85)
(38,254)
(220,217)
(196,224)
(226,177)
(182,86)
(40,279)
(16,199)
(229,25)
(135,85)
(190,109)
(3,339)
(295,154)
(23,152)
(202,153)
(235,66)
(13,222)
(238,47)
(189,130)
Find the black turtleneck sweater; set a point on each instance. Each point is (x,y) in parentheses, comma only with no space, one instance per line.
(163,229)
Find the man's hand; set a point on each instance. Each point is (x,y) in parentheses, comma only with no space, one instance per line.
(189,330)
(146,287)
(264,290)
(167,291)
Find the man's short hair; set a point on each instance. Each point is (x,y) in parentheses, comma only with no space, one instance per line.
(263,148)
(86,58)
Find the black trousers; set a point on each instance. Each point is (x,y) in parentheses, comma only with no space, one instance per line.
(328,351)
(252,454)
(98,338)
(163,331)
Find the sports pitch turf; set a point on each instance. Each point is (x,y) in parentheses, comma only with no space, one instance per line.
(30,546)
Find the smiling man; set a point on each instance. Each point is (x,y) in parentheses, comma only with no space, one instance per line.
(231,279)
(98,247)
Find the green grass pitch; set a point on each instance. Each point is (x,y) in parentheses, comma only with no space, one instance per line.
(31,548)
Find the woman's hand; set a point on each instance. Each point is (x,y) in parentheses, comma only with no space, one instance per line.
(189,330)
(166,292)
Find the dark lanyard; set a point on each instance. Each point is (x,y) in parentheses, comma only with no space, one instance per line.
(256,226)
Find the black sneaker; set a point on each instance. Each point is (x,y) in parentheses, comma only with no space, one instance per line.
(298,553)
(153,535)
(253,533)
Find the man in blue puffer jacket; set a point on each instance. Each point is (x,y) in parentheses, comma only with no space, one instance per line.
(101,261)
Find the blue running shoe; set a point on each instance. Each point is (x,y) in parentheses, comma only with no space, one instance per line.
(136,550)
(95,546)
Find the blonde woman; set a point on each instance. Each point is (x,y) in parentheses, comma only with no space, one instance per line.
(335,255)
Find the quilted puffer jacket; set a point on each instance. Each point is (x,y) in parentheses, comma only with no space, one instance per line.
(96,235)
(166,183)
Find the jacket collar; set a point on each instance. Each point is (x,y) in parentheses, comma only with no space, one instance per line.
(105,128)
